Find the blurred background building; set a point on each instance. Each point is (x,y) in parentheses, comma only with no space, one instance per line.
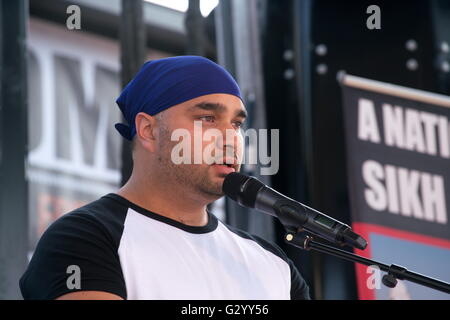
(59,148)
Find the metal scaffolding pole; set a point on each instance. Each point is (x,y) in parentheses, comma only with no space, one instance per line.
(13,147)
(195,30)
(302,11)
(224,36)
(239,50)
(132,56)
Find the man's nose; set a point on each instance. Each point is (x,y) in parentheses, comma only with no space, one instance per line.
(230,143)
(229,136)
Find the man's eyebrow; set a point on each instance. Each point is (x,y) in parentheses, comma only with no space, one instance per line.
(242,113)
(218,107)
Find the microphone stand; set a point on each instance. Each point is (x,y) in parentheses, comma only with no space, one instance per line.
(394,272)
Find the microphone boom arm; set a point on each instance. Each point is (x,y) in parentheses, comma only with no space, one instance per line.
(394,272)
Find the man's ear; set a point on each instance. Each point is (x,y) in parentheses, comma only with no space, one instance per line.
(146,130)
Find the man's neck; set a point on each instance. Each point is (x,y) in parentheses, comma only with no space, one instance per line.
(161,200)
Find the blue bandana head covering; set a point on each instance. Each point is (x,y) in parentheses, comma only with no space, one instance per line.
(161,84)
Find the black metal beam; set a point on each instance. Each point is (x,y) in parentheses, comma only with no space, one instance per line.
(132,56)
(195,29)
(302,45)
(283,112)
(238,43)
(13,147)
(224,36)
(108,24)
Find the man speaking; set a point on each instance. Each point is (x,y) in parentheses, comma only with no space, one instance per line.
(155,238)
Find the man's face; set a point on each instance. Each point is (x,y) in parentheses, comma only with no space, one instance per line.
(220,116)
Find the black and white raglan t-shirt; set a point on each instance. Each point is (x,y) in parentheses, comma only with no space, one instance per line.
(129,251)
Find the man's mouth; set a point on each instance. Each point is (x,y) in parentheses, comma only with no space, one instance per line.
(226,165)
(223,169)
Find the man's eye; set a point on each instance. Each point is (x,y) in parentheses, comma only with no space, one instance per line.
(207,118)
(238,124)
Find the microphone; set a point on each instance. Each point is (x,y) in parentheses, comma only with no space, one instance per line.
(250,192)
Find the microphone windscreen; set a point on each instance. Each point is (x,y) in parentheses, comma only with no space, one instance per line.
(242,188)
(233,183)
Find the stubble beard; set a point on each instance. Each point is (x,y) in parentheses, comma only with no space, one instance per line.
(191,177)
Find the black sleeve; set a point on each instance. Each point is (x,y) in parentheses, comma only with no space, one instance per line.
(79,239)
(299,288)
